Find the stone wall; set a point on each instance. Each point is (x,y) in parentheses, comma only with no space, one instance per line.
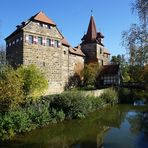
(55,62)
(47,58)
(90,52)
(95,52)
(65,65)
(14,49)
(95,93)
(71,64)
(101,56)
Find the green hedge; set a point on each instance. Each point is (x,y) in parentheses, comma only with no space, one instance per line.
(54,108)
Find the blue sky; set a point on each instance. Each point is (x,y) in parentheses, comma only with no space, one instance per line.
(72,18)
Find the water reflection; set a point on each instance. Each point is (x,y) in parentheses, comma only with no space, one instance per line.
(117,126)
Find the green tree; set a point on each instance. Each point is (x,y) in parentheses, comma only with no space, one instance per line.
(141,7)
(135,73)
(136,38)
(2,56)
(145,75)
(34,81)
(11,92)
(120,59)
(90,73)
(117,59)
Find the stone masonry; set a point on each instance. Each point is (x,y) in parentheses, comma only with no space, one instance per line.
(54,60)
(38,41)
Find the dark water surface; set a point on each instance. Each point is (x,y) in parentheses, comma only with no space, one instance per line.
(121,126)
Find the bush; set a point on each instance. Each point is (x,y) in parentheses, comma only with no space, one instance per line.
(57,115)
(125,95)
(11,92)
(73,104)
(54,108)
(97,103)
(90,73)
(39,114)
(6,127)
(110,96)
(34,82)
(20,120)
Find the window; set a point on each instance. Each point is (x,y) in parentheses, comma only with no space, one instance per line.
(64,52)
(56,43)
(49,27)
(100,50)
(45,26)
(40,40)
(13,42)
(48,42)
(41,25)
(30,39)
(17,40)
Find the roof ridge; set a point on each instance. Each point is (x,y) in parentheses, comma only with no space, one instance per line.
(41,16)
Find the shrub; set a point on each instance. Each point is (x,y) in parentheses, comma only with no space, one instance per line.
(73,104)
(125,95)
(39,114)
(57,115)
(97,103)
(90,73)
(20,120)
(73,82)
(110,96)
(54,108)
(11,93)
(6,127)
(34,82)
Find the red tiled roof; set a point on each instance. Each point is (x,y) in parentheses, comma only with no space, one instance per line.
(76,51)
(43,18)
(110,69)
(38,17)
(65,42)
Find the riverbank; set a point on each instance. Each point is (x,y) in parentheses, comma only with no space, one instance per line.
(52,109)
(112,126)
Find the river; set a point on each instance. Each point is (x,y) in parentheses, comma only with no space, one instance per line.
(120,126)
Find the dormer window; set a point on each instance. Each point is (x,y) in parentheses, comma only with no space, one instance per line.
(44,25)
(41,25)
(49,27)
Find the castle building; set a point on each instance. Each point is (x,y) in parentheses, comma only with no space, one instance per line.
(93,47)
(38,41)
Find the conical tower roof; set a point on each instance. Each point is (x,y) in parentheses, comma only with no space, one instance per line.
(91,31)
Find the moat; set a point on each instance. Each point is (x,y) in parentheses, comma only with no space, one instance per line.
(124,126)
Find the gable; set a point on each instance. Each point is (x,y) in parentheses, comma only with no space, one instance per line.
(36,27)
